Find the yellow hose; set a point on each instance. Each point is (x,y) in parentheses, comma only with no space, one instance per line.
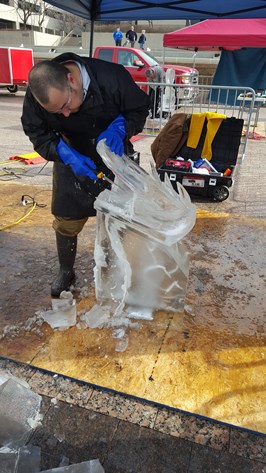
(20,220)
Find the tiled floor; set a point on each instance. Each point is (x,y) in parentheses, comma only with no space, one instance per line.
(82,423)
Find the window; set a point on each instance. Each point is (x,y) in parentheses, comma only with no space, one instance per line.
(106,54)
(126,58)
(7,25)
(28,6)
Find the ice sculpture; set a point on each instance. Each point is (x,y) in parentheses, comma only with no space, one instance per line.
(26,459)
(19,413)
(141,262)
(63,314)
(169,94)
(92,466)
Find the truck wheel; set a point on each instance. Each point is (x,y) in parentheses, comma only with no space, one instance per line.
(12,88)
(220,193)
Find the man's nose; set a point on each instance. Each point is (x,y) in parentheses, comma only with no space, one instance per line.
(66,113)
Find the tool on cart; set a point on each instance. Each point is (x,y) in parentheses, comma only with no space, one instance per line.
(179,163)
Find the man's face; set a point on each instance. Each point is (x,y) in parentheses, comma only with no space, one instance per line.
(59,101)
(66,101)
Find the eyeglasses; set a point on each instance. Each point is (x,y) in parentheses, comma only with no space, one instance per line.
(66,105)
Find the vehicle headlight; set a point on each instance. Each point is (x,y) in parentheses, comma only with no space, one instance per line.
(185,79)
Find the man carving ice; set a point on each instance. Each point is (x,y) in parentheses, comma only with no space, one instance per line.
(71,103)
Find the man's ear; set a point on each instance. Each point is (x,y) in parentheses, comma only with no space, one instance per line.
(71,78)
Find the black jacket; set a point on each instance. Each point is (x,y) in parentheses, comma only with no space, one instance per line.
(111,91)
(142,39)
(131,35)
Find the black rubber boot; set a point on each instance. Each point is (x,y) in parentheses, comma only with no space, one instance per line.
(132,154)
(66,249)
(135,157)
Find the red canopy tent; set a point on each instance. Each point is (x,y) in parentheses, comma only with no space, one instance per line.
(242,42)
(219,34)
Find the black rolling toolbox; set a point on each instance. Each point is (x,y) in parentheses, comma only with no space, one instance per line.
(225,148)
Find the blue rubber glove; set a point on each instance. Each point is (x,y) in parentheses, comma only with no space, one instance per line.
(114,135)
(81,165)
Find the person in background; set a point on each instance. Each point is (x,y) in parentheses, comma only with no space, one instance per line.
(155,74)
(142,39)
(131,37)
(118,36)
(71,103)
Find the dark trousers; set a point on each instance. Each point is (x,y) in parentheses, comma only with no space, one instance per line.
(155,100)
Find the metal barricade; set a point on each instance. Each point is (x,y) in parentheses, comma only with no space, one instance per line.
(167,99)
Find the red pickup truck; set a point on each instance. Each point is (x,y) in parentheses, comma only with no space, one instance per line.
(137,62)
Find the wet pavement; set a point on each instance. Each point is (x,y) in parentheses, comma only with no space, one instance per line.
(130,435)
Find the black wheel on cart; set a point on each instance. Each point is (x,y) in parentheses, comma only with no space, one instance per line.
(220,193)
(12,88)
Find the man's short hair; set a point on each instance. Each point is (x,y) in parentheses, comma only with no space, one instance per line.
(45,75)
(149,72)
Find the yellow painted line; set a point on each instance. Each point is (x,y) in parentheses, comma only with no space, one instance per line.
(200,213)
(207,214)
